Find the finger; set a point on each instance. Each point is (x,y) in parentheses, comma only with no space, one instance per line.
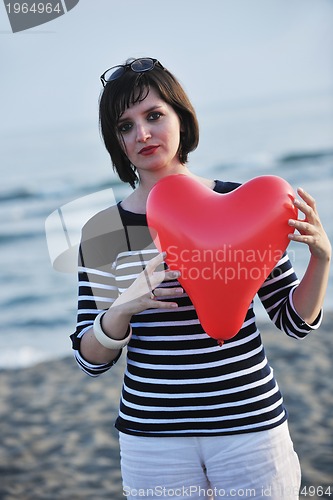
(301,238)
(302,226)
(308,200)
(158,276)
(172,275)
(167,292)
(306,196)
(308,212)
(155,262)
(159,304)
(154,278)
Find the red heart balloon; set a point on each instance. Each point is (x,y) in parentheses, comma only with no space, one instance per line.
(225,245)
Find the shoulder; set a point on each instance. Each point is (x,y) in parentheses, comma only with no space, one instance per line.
(105,221)
(225,186)
(102,238)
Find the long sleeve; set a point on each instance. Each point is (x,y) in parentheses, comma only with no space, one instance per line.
(96,292)
(102,238)
(276,294)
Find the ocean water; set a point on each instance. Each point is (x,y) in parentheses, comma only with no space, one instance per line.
(38,304)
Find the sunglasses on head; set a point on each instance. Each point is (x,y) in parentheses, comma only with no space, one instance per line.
(138,66)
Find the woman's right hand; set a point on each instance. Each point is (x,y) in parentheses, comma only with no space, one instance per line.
(135,299)
(144,294)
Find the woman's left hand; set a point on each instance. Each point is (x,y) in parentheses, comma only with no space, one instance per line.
(310,229)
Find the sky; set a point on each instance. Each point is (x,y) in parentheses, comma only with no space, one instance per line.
(225,51)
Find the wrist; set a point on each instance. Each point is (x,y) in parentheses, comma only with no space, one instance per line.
(115,323)
(323,259)
(106,340)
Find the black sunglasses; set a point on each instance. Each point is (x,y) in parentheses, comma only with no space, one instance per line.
(138,66)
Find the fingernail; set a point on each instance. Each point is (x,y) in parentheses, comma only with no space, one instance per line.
(291,222)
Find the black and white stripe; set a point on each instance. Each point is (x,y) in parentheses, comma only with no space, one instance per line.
(178,381)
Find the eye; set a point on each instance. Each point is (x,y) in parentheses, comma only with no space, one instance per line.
(155,115)
(124,127)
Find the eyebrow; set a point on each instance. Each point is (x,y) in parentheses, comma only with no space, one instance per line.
(146,111)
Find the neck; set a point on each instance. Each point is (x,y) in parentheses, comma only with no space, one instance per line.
(147,182)
(136,201)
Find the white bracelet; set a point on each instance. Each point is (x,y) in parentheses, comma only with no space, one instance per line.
(107,341)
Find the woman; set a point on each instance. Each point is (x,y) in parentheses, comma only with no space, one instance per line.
(195,420)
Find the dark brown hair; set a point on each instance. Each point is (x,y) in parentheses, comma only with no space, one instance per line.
(132,87)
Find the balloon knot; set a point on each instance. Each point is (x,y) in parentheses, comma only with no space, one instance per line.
(220,342)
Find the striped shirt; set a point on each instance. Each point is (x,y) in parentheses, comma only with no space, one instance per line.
(178,380)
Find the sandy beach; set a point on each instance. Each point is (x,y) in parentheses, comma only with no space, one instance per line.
(58,441)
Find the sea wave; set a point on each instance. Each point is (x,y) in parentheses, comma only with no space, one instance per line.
(300,156)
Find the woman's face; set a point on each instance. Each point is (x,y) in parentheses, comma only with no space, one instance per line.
(150,132)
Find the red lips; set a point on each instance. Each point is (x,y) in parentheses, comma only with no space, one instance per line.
(148,150)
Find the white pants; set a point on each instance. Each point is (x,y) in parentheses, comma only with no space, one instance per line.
(257,465)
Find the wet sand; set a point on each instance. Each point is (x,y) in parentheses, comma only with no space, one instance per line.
(58,441)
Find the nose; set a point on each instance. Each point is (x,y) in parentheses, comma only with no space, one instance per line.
(142,133)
